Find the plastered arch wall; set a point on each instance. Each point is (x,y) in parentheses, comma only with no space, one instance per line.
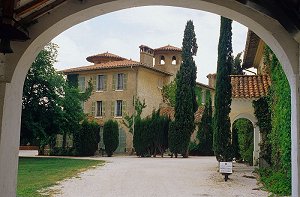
(256,134)
(246,116)
(13,67)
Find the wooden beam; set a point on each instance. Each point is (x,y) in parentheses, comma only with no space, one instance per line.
(8,8)
(29,19)
(29,7)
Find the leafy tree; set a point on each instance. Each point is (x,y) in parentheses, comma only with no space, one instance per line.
(186,104)
(169,93)
(129,121)
(72,111)
(205,131)
(86,138)
(42,99)
(50,105)
(222,133)
(236,65)
(111,136)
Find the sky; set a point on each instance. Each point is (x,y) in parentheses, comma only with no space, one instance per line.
(122,32)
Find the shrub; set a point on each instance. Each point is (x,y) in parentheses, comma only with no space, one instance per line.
(86,139)
(277,182)
(110,136)
(151,135)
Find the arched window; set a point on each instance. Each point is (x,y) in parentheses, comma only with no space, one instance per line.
(174,62)
(162,60)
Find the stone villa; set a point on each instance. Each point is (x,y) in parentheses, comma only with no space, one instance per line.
(117,81)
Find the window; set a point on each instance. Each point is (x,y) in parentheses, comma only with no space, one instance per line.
(99,108)
(162,60)
(174,60)
(101,83)
(118,108)
(120,81)
(203,96)
(81,84)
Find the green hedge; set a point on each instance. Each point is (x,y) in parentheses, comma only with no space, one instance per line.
(151,135)
(111,137)
(86,139)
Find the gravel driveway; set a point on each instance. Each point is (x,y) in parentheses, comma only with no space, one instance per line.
(161,177)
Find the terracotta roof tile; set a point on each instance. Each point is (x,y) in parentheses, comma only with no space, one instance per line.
(250,86)
(167,48)
(170,112)
(106,55)
(112,65)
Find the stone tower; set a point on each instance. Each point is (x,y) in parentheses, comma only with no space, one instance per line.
(168,58)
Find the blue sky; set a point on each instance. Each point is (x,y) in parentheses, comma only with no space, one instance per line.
(122,33)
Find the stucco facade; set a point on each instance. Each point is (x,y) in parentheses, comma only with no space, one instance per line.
(143,80)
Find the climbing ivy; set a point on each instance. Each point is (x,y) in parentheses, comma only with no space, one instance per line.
(263,115)
(278,134)
(280,102)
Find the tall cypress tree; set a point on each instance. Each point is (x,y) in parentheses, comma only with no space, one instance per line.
(185,105)
(205,131)
(222,133)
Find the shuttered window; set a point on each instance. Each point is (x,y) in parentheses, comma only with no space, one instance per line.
(118,108)
(101,83)
(120,81)
(81,84)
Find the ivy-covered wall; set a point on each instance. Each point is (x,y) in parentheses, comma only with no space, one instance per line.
(277,178)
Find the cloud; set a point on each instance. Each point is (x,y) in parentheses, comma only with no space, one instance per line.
(123,31)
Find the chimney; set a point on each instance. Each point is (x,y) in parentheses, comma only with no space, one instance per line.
(212,80)
(146,55)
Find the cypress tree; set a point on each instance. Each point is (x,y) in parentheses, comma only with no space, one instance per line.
(205,132)
(185,104)
(111,136)
(222,133)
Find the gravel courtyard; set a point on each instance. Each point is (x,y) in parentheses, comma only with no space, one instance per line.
(161,177)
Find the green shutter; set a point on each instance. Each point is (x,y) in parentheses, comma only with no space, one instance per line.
(125,81)
(114,82)
(124,108)
(105,83)
(93,108)
(112,109)
(103,108)
(94,82)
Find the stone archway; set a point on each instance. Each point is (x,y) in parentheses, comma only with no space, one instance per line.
(256,134)
(13,68)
